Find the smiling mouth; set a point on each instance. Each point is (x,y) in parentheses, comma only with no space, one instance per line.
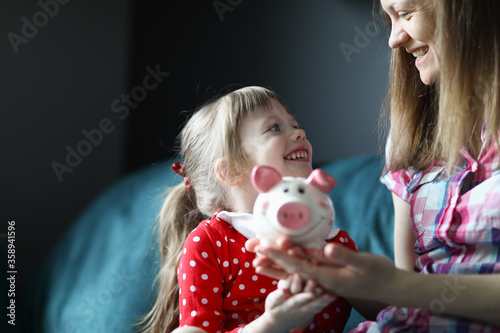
(420,52)
(303,231)
(300,154)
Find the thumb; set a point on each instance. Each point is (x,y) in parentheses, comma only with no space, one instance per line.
(341,255)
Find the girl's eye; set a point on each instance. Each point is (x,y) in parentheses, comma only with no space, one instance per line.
(275,128)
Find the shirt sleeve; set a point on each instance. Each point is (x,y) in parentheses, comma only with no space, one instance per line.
(396,181)
(201,282)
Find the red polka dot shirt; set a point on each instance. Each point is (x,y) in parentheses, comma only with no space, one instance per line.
(220,290)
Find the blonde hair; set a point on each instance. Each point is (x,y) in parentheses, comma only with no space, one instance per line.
(430,123)
(210,134)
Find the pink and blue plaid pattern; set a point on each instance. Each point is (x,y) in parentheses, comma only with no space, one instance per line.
(456,220)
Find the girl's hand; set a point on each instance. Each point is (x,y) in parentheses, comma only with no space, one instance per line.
(295,303)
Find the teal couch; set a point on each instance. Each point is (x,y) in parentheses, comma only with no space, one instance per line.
(98,277)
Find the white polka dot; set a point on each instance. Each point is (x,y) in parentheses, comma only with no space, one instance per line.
(235,303)
(247,264)
(204,277)
(228,294)
(217,313)
(219,244)
(338,310)
(326,315)
(216,289)
(192,288)
(184,276)
(243,250)
(235,315)
(255,300)
(232,240)
(235,261)
(275,282)
(257,317)
(193,313)
(180,316)
(263,290)
(311,326)
(192,263)
(184,301)
(196,239)
(242,286)
(240,272)
(225,238)
(255,277)
(204,255)
(218,260)
(204,300)
(225,263)
(185,250)
(205,323)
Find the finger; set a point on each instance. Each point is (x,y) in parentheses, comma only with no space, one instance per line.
(298,300)
(284,243)
(251,244)
(311,286)
(288,263)
(284,284)
(342,255)
(317,304)
(274,273)
(296,252)
(275,298)
(296,284)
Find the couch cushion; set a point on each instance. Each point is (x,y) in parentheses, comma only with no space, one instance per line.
(98,277)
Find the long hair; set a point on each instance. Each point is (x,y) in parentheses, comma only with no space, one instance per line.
(431,123)
(211,133)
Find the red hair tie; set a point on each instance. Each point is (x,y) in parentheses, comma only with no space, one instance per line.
(179,169)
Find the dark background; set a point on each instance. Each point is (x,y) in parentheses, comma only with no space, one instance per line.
(82,70)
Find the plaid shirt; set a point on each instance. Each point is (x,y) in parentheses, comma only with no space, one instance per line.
(456,221)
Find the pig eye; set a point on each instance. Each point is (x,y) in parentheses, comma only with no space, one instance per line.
(301,190)
(285,190)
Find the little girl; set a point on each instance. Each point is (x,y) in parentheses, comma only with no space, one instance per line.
(206,279)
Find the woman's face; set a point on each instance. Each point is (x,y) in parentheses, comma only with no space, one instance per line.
(412,27)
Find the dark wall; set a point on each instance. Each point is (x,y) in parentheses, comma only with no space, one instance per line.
(60,72)
(107,81)
(326,59)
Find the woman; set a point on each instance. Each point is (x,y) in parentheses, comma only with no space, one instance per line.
(442,165)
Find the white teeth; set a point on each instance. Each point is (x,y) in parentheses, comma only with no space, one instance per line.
(297,155)
(420,52)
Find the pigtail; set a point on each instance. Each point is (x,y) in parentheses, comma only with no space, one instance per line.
(178,217)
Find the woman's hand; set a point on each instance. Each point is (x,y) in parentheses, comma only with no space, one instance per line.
(341,271)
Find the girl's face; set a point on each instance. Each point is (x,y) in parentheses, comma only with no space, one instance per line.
(274,138)
(413,28)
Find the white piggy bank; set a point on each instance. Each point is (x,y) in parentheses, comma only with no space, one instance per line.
(297,208)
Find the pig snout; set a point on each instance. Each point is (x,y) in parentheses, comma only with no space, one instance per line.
(293,215)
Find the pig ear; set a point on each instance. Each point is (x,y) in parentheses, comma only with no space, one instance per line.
(322,181)
(265,178)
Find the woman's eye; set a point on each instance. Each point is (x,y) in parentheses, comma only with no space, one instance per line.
(404,15)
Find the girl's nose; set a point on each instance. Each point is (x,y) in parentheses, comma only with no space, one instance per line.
(398,36)
(299,134)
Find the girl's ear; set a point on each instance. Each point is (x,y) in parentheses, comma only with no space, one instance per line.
(226,176)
